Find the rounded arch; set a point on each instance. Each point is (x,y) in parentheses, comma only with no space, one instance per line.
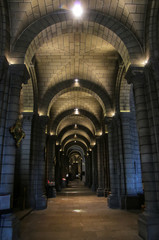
(75,132)
(75,148)
(80,127)
(75,120)
(74,152)
(124,41)
(74,145)
(78,138)
(94,120)
(78,143)
(95,90)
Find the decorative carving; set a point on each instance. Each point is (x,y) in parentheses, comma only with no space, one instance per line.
(17,132)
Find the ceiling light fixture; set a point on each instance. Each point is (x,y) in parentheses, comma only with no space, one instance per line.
(76,80)
(76,111)
(77,10)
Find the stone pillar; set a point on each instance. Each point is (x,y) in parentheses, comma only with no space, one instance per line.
(149,220)
(100,189)
(106,167)
(90,169)
(22,166)
(58,176)
(94,169)
(131,168)
(50,166)
(38,182)
(51,156)
(11,81)
(114,163)
(86,170)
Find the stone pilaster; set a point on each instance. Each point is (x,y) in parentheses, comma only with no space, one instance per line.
(38,193)
(149,220)
(100,189)
(12,78)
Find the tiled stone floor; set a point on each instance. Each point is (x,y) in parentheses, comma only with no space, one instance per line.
(77,214)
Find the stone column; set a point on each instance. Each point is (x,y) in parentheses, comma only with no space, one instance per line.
(51,146)
(11,82)
(131,187)
(87,170)
(114,163)
(58,176)
(94,169)
(90,169)
(38,183)
(50,166)
(149,220)
(106,167)
(100,189)
(22,184)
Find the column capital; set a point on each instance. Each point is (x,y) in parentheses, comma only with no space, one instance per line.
(20,71)
(107,120)
(41,121)
(135,74)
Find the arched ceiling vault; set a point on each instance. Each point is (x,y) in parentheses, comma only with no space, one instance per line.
(75,148)
(58,49)
(72,145)
(78,137)
(120,31)
(75,120)
(70,112)
(75,129)
(76,133)
(73,100)
(77,88)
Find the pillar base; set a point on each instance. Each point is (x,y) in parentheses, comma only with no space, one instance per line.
(149,226)
(113,201)
(130,202)
(100,192)
(41,202)
(93,188)
(106,192)
(51,192)
(9,227)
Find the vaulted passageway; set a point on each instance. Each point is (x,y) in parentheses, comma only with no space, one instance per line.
(79,98)
(76,213)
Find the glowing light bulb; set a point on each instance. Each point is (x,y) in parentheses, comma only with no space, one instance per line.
(76,111)
(77,10)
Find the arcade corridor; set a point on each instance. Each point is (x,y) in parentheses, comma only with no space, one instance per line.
(79,99)
(77,214)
